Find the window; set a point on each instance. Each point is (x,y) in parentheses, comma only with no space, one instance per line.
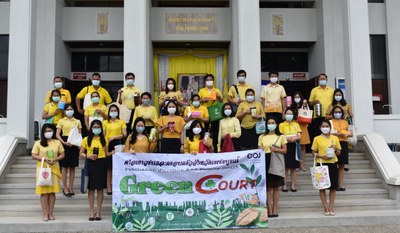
(97,62)
(284,61)
(3,74)
(376,1)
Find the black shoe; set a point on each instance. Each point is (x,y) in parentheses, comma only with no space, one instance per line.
(97,218)
(270,215)
(67,194)
(275,215)
(346,169)
(285,190)
(109,193)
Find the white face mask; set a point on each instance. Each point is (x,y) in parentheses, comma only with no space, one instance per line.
(196,130)
(209,83)
(170,86)
(69,113)
(96,83)
(58,85)
(228,112)
(338,98)
(274,79)
(171,110)
(325,130)
(250,98)
(297,100)
(241,79)
(129,82)
(48,135)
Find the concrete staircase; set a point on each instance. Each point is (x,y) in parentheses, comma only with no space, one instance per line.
(365,202)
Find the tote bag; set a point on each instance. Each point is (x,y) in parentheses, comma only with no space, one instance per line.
(74,137)
(84,178)
(227,145)
(44,175)
(260,126)
(124,112)
(320,176)
(304,115)
(277,165)
(215,111)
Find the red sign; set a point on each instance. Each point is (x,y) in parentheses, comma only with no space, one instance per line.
(299,76)
(79,76)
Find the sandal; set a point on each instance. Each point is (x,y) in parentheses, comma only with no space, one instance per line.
(285,190)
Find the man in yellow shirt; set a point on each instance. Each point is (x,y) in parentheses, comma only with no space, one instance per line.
(58,83)
(128,95)
(105,97)
(323,95)
(273,97)
(236,94)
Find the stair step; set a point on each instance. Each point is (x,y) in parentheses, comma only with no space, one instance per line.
(302,195)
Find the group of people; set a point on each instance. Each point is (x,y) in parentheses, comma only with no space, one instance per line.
(244,124)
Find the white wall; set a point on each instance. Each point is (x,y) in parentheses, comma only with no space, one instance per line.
(3,126)
(63,58)
(388,126)
(298,24)
(80,24)
(377,18)
(316,53)
(4,17)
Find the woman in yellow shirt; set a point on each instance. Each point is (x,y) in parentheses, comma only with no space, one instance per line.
(229,125)
(137,141)
(95,111)
(248,113)
(292,132)
(272,141)
(52,151)
(94,150)
(319,149)
(338,100)
(171,93)
(71,159)
(197,141)
(341,130)
(170,125)
(115,133)
(146,111)
(196,111)
(52,111)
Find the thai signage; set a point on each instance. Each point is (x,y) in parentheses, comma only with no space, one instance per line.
(191,23)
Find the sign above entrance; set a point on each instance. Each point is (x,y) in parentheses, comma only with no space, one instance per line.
(79,76)
(191,23)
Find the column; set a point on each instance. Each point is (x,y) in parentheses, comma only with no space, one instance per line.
(358,63)
(245,45)
(393,52)
(137,43)
(21,69)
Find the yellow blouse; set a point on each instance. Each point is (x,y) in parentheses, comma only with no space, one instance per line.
(51,108)
(128,96)
(142,145)
(289,128)
(95,144)
(248,121)
(205,93)
(341,126)
(347,109)
(268,140)
(149,113)
(171,94)
(91,110)
(228,125)
(201,111)
(194,146)
(179,124)
(113,128)
(66,125)
(320,144)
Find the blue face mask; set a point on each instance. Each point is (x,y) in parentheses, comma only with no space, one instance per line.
(95,100)
(250,98)
(56,98)
(96,83)
(96,131)
(113,115)
(271,127)
(196,103)
(337,115)
(129,82)
(58,85)
(322,82)
(145,101)
(289,117)
(338,98)
(139,129)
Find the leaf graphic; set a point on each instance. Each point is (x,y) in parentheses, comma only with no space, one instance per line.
(252,169)
(264,215)
(210,184)
(137,221)
(205,226)
(258,180)
(244,166)
(212,217)
(215,214)
(145,225)
(226,218)
(143,221)
(209,222)
(225,214)
(246,217)
(225,224)
(138,227)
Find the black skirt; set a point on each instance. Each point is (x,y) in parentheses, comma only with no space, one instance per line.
(344,153)
(290,156)
(273,181)
(171,145)
(249,139)
(333,174)
(71,158)
(97,174)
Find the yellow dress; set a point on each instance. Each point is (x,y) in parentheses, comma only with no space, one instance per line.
(57,148)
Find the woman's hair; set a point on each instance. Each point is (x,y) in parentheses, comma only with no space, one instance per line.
(145,93)
(341,110)
(293,111)
(223,108)
(134,132)
(190,133)
(91,135)
(342,101)
(209,75)
(193,96)
(165,109)
(250,90)
(294,104)
(277,132)
(52,92)
(109,110)
(43,140)
(67,106)
(95,92)
(325,121)
(166,85)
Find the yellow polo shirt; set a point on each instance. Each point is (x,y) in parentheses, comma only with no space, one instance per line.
(53,145)
(341,126)
(90,110)
(248,121)
(289,128)
(96,143)
(113,128)
(203,111)
(268,140)
(320,144)
(179,124)
(272,96)
(241,89)
(66,125)
(324,95)
(65,96)
(105,97)
(171,94)
(205,93)
(128,95)
(146,112)
(51,108)
(193,146)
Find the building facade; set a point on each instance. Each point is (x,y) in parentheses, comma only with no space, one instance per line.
(355,42)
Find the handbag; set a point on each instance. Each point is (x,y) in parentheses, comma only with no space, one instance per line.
(320,176)
(48,120)
(44,175)
(84,177)
(304,115)
(277,165)
(87,100)
(260,126)
(227,145)
(215,111)
(203,148)
(124,112)
(353,139)
(74,137)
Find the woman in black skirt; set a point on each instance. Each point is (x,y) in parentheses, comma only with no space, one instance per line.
(71,159)
(94,149)
(272,141)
